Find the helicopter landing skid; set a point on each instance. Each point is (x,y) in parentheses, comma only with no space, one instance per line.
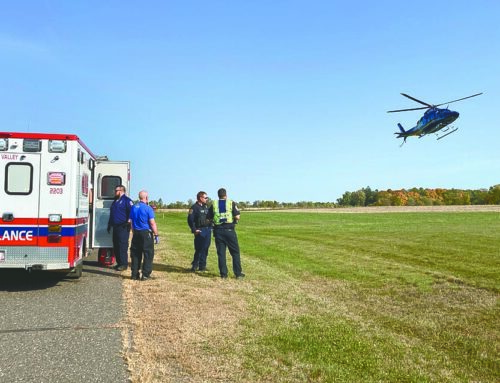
(444,135)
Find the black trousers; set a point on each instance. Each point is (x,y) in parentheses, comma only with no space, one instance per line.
(142,252)
(201,245)
(121,234)
(227,238)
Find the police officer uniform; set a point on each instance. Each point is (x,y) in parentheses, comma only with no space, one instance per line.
(222,213)
(197,221)
(119,214)
(142,240)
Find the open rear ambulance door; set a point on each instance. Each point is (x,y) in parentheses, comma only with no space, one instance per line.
(106,176)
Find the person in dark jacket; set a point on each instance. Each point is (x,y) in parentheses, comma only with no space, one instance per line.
(119,214)
(201,227)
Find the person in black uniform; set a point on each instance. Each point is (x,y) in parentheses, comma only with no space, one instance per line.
(119,215)
(225,215)
(201,227)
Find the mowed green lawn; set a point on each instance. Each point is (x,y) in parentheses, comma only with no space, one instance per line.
(378,297)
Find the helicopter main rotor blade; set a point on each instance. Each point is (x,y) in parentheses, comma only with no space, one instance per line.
(460,99)
(420,102)
(406,110)
(429,105)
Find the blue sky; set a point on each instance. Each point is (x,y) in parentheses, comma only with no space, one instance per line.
(273,100)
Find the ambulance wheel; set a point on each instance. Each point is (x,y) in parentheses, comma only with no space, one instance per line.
(84,251)
(76,273)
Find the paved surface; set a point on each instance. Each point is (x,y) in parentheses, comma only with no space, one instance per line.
(55,329)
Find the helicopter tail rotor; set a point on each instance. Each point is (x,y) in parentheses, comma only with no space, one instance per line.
(401,134)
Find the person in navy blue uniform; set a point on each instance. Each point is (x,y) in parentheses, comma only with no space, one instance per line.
(225,215)
(201,227)
(119,214)
(145,235)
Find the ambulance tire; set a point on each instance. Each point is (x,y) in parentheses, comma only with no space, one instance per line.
(76,273)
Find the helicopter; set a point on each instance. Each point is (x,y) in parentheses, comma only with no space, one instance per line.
(433,120)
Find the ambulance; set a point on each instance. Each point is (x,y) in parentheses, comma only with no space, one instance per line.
(55,196)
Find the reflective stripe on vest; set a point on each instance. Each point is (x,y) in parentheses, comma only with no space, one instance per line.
(223,211)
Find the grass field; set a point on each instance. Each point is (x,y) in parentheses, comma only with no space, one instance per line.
(393,297)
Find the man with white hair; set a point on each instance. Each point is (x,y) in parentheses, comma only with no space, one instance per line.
(144,227)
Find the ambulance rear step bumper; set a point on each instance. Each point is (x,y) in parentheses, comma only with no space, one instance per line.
(34,258)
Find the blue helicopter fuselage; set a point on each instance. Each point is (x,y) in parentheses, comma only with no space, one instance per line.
(433,120)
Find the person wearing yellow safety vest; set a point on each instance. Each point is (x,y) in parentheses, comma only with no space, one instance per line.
(225,215)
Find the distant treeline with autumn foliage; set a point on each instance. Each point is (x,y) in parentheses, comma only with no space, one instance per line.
(368,197)
(420,197)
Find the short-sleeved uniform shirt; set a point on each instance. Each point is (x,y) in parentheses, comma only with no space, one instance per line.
(120,210)
(140,215)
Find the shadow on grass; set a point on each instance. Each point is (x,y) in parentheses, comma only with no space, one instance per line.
(171,268)
(161,267)
(93,267)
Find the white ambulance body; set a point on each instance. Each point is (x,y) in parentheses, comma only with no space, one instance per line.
(55,196)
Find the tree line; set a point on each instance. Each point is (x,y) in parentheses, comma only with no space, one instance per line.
(420,197)
(260,204)
(368,197)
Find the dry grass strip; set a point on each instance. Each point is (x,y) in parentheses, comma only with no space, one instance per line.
(181,326)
